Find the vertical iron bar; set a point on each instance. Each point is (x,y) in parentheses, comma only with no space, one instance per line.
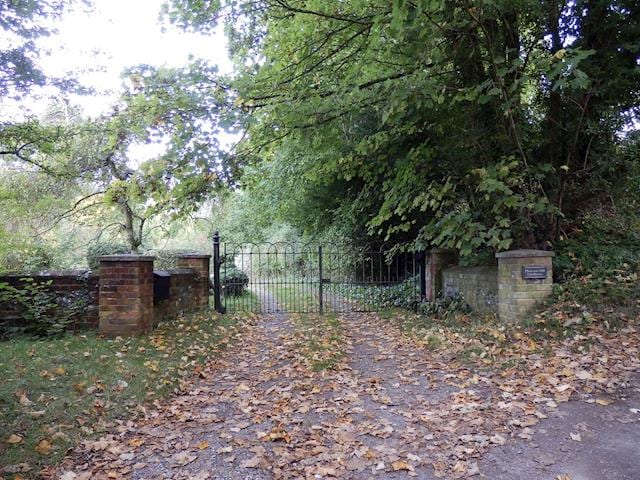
(423,274)
(320,277)
(216,274)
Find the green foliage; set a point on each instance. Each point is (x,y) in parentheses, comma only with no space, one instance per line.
(234,281)
(604,243)
(167,258)
(98,249)
(444,308)
(44,313)
(481,127)
(28,258)
(22,24)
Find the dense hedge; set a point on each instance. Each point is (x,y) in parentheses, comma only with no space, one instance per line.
(234,281)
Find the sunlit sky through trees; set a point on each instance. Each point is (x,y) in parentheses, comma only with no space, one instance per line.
(100,42)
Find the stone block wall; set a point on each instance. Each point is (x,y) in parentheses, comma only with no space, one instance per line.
(477,286)
(69,287)
(438,259)
(518,295)
(522,279)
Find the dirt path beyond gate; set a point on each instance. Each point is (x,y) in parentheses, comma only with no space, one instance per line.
(390,409)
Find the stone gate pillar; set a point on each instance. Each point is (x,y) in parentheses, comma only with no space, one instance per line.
(201,264)
(439,259)
(525,277)
(126,295)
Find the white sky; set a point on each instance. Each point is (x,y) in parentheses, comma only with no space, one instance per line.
(101,43)
(118,34)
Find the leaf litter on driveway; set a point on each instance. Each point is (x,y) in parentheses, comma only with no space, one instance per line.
(385,407)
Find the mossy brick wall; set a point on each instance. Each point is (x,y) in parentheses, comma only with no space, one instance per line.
(517,295)
(69,288)
(184,294)
(478,286)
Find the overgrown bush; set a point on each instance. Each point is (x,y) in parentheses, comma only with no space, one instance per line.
(444,307)
(28,258)
(234,281)
(98,249)
(45,314)
(604,242)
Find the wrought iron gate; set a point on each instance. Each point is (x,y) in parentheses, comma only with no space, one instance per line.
(297,278)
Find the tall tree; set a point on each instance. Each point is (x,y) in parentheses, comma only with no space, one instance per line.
(464,124)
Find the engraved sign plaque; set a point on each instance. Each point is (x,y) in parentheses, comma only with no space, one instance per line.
(534,272)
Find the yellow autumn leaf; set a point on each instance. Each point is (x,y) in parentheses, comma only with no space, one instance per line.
(13,439)
(136,442)
(401,465)
(44,447)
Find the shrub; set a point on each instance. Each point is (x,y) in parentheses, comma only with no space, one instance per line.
(28,258)
(605,242)
(98,249)
(46,314)
(444,307)
(234,281)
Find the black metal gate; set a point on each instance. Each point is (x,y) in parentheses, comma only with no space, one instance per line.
(295,278)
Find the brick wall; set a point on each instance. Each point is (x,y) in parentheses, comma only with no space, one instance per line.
(183,293)
(478,286)
(127,298)
(68,287)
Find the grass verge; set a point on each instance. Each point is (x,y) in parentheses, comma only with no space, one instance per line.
(247,301)
(57,392)
(295,298)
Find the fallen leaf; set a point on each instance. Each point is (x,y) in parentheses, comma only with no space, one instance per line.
(22,398)
(17,468)
(136,442)
(13,439)
(44,447)
(253,462)
(183,458)
(401,465)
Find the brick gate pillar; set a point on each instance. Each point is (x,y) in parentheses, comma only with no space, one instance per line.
(126,295)
(439,259)
(201,264)
(525,277)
